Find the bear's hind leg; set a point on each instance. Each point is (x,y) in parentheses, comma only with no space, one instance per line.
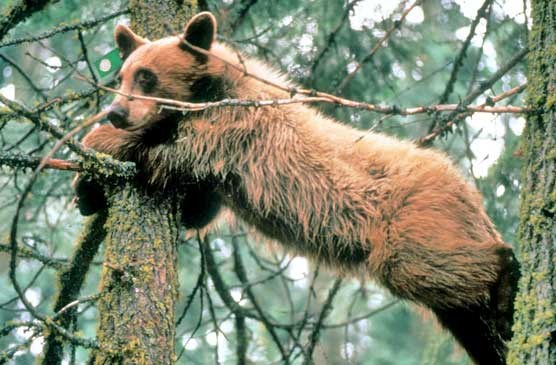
(474,328)
(469,287)
(504,292)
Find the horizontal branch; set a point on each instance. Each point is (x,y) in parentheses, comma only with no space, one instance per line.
(329,98)
(64,29)
(437,131)
(17,13)
(356,105)
(42,123)
(18,160)
(393,110)
(24,252)
(97,164)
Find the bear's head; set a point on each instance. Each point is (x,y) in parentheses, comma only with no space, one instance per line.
(166,68)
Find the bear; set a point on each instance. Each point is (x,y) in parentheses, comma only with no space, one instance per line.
(354,200)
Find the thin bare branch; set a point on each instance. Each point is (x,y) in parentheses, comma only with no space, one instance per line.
(483,12)
(397,24)
(320,98)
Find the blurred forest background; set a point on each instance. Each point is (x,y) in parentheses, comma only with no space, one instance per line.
(396,53)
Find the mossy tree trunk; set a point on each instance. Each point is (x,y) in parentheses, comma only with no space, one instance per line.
(159,18)
(534,340)
(139,281)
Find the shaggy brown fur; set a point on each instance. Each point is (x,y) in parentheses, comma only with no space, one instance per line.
(402,214)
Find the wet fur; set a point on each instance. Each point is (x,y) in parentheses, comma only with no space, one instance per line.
(402,214)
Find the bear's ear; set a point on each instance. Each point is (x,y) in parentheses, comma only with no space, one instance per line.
(200,31)
(126,40)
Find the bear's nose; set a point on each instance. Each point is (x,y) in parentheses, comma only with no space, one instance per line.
(117,116)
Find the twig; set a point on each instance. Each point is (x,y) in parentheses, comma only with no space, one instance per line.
(198,285)
(88,62)
(242,276)
(307,311)
(487,84)
(320,98)
(241,339)
(14,244)
(34,116)
(326,308)
(89,122)
(376,47)
(364,316)
(371,107)
(331,39)
(27,253)
(426,140)
(70,305)
(458,62)
(70,283)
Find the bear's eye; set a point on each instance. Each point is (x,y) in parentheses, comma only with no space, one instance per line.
(146,80)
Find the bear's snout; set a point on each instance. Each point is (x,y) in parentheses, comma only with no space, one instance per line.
(117,115)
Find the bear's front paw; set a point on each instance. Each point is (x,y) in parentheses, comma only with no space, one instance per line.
(89,195)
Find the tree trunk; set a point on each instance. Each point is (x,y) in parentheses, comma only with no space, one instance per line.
(159,18)
(534,340)
(139,281)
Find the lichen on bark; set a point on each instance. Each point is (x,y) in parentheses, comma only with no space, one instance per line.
(156,19)
(139,279)
(534,340)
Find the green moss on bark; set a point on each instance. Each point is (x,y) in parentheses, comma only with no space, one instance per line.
(156,19)
(535,320)
(139,280)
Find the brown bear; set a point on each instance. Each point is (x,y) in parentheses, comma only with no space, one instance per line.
(402,214)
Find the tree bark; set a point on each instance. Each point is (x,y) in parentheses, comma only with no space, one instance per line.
(159,18)
(534,340)
(139,281)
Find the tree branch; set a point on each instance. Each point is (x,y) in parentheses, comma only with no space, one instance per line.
(19,12)
(320,98)
(64,28)
(71,281)
(397,24)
